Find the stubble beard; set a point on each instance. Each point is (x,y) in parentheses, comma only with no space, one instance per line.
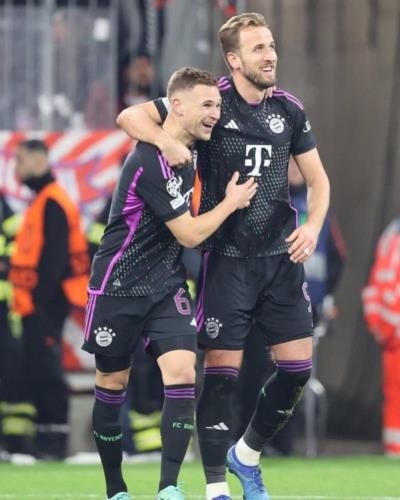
(255,79)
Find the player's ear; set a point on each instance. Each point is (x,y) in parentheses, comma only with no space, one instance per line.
(233,60)
(177,106)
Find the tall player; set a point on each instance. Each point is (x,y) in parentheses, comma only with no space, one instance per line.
(138,289)
(253,264)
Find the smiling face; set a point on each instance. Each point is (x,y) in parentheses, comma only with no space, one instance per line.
(256,58)
(199,109)
(195,105)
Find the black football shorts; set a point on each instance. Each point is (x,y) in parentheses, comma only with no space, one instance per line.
(115,325)
(234,293)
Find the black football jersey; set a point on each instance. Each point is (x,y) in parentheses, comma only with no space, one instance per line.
(138,255)
(255,140)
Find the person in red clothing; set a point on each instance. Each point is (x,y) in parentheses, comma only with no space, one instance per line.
(381,301)
(49,272)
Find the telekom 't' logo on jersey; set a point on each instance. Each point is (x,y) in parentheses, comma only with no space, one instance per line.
(257,156)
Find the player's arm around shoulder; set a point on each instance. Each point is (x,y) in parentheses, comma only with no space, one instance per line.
(191,231)
(140,121)
(143,123)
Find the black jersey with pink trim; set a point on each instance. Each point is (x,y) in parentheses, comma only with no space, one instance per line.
(256,140)
(138,255)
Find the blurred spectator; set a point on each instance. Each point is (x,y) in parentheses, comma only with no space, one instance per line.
(49,272)
(192,261)
(70,67)
(381,299)
(96,228)
(323,270)
(97,109)
(150,13)
(229,7)
(139,82)
(16,415)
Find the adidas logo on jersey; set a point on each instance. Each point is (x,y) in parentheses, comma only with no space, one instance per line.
(232,124)
(218,427)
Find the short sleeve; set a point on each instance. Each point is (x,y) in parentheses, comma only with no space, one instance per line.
(161,188)
(162,105)
(303,139)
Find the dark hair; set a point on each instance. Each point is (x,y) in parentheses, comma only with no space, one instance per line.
(34,146)
(229,31)
(131,57)
(186,78)
(142,54)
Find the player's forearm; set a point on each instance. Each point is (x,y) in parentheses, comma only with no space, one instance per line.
(138,124)
(318,201)
(205,225)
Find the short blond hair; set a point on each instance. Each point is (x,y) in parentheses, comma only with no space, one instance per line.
(186,78)
(229,31)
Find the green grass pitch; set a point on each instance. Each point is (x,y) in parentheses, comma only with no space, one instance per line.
(366,477)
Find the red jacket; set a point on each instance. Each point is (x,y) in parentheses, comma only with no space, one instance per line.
(381,296)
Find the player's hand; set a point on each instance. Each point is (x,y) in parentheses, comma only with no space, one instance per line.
(176,153)
(270,91)
(303,241)
(240,194)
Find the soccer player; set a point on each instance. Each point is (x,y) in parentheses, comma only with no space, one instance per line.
(253,264)
(137,287)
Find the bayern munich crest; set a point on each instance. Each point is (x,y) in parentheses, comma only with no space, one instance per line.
(276,123)
(213,326)
(104,336)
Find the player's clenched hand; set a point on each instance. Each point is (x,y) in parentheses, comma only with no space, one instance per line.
(176,153)
(303,241)
(240,194)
